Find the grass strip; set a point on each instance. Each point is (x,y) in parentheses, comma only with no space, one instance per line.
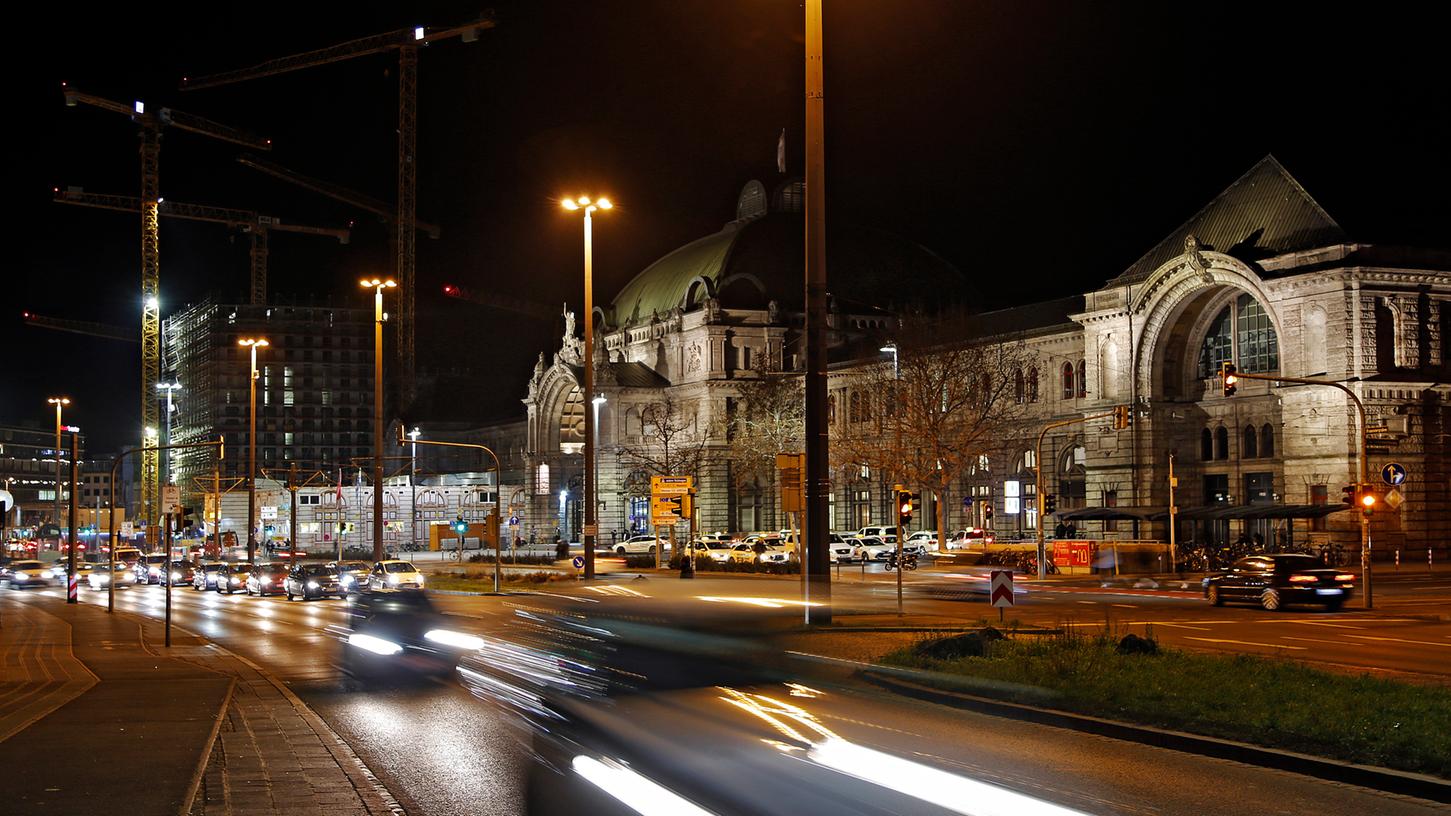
(1271,702)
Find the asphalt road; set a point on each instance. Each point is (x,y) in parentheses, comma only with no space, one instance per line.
(441,752)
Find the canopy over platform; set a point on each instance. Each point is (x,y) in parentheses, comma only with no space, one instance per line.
(1213,512)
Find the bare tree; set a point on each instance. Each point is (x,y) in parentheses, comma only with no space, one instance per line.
(923,421)
(671,443)
(769,419)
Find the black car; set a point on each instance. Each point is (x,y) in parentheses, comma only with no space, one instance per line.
(352,575)
(310,581)
(232,578)
(399,631)
(1275,581)
(180,573)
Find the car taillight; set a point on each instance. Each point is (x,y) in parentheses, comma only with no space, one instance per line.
(1344,576)
(1303,579)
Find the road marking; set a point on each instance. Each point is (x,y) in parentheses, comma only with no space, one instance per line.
(1249,643)
(1402,640)
(1125,606)
(1090,603)
(1184,626)
(1318,623)
(1317,640)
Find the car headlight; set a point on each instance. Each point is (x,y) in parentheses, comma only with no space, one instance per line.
(155,570)
(236,580)
(312,585)
(392,579)
(458,640)
(376,645)
(347,579)
(420,579)
(20,576)
(176,576)
(266,581)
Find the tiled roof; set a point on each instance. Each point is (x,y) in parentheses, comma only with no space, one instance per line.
(1266,212)
(1026,319)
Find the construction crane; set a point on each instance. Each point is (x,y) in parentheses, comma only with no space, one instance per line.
(494,300)
(406,42)
(334,191)
(256,226)
(86,327)
(152,123)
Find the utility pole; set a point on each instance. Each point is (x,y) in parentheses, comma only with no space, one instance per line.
(818,474)
(1120,413)
(1173,514)
(216,506)
(292,519)
(71,584)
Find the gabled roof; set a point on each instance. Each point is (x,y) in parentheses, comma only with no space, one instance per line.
(1266,212)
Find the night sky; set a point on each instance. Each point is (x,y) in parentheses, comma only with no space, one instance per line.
(1041,147)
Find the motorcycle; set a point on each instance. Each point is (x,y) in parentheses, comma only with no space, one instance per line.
(909,561)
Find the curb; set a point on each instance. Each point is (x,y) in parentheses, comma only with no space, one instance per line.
(1369,776)
(955,630)
(196,778)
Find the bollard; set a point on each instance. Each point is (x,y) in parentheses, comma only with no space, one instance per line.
(71,588)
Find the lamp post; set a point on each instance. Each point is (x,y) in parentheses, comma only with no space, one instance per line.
(166,462)
(58,402)
(377,286)
(252,343)
(583,203)
(595,403)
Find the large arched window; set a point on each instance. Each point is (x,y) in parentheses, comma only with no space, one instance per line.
(1249,448)
(1018,386)
(1206,445)
(1082,378)
(1267,441)
(1066,375)
(1242,334)
(1073,476)
(571,420)
(1221,443)
(831,410)
(1033,384)
(854,411)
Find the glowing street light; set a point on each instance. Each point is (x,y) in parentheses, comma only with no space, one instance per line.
(377,285)
(58,402)
(589,207)
(253,344)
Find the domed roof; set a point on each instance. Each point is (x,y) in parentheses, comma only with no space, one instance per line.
(758,258)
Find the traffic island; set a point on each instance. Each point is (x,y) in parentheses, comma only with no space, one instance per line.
(1273,703)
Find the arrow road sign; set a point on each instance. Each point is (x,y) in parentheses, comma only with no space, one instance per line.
(1002,588)
(1393,474)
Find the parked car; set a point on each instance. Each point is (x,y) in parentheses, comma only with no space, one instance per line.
(874,532)
(639,545)
(22,574)
(205,575)
(921,541)
(395,575)
(743,552)
(233,577)
(874,548)
(840,547)
(310,581)
(102,576)
(148,568)
(1277,580)
(719,551)
(181,572)
(776,553)
(267,579)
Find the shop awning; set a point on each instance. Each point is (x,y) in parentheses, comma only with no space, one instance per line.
(1111,514)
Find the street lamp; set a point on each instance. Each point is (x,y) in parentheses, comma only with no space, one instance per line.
(377,286)
(166,463)
(413,489)
(588,207)
(252,343)
(58,402)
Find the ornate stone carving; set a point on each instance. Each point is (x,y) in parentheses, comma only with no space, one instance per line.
(571,350)
(1196,259)
(692,359)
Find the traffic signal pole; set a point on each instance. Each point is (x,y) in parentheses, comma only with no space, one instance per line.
(1118,410)
(1365,568)
(498,495)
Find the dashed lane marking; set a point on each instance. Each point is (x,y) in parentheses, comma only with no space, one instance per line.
(1402,640)
(1318,640)
(1250,643)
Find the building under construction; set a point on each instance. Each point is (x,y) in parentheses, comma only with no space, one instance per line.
(314,387)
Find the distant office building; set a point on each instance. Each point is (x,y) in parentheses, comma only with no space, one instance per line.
(314,387)
(27,471)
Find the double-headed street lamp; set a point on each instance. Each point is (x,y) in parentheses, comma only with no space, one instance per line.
(252,343)
(168,387)
(377,286)
(58,402)
(583,203)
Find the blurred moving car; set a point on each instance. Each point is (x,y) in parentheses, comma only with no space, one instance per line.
(1277,580)
(181,572)
(232,578)
(128,556)
(267,579)
(22,574)
(776,553)
(921,541)
(395,575)
(392,631)
(148,568)
(352,575)
(205,575)
(309,581)
(972,538)
(102,576)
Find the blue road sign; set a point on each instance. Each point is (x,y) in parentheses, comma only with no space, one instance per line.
(578,562)
(1393,474)
(967,501)
(513,521)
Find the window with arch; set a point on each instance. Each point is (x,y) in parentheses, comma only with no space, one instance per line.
(854,411)
(1242,334)
(1221,442)
(831,410)
(571,419)
(1206,445)
(1068,384)
(1019,386)
(1033,384)
(1267,441)
(1073,476)
(1082,378)
(541,480)
(1249,448)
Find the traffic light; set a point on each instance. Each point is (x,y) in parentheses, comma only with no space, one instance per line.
(1231,381)
(687,505)
(1351,497)
(1368,499)
(460,526)
(186,520)
(987,514)
(1122,418)
(1050,504)
(904,507)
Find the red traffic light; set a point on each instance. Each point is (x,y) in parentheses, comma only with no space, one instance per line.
(450,289)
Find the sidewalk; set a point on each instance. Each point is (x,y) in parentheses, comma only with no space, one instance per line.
(190,730)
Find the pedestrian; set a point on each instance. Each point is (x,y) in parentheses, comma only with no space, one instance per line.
(1060,530)
(561,549)
(1071,531)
